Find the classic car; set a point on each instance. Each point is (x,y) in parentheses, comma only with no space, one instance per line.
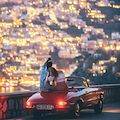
(80,96)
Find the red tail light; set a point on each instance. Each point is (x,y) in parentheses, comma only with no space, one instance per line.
(61,104)
(28,104)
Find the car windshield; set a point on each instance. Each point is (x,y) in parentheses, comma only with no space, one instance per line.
(77,82)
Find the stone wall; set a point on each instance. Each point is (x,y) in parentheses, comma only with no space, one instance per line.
(12,105)
(111,93)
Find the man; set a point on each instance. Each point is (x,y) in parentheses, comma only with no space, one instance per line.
(43,74)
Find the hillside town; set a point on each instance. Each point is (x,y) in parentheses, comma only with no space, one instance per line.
(31,30)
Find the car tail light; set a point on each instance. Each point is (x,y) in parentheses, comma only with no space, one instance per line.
(28,104)
(61,104)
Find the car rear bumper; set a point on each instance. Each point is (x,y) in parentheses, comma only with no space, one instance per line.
(54,110)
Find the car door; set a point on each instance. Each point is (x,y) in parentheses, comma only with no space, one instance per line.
(92,96)
(85,94)
(85,97)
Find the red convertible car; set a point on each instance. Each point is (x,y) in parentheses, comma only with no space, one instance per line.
(80,96)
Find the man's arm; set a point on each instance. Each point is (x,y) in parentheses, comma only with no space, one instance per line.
(44,65)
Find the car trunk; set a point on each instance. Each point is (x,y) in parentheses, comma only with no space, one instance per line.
(47,97)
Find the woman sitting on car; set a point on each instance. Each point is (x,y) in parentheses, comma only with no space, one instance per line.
(58,78)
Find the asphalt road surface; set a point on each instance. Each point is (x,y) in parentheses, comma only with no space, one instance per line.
(110,111)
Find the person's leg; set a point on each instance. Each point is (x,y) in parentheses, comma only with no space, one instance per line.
(48,85)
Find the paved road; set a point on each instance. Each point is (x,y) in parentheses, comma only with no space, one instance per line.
(110,112)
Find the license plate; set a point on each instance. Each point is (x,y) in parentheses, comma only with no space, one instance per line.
(44,107)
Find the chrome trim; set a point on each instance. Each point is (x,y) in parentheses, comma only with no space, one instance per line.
(63,107)
(72,103)
(29,107)
(93,99)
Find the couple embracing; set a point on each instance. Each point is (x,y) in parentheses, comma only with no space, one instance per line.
(50,74)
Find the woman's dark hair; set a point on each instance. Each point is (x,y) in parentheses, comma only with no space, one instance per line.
(49,64)
(54,71)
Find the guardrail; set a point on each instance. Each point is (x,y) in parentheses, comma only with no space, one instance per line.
(13,104)
(111,92)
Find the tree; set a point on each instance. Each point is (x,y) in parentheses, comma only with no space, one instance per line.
(54,54)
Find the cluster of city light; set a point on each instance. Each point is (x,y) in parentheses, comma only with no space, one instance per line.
(95,14)
(100,67)
(112,47)
(116,6)
(103,4)
(56,37)
(28,81)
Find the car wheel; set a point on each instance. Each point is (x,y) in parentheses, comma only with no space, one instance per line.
(37,114)
(76,110)
(98,108)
